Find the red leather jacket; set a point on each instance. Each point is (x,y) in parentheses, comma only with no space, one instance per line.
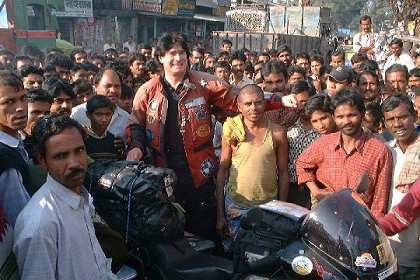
(199,92)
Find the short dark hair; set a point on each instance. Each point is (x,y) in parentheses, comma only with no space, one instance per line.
(145,46)
(90,67)
(295,69)
(55,85)
(301,55)
(369,64)
(198,49)
(78,67)
(318,58)
(396,41)
(10,79)
(81,85)
(274,67)
(249,67)
(38,95)
(136,56)
(61,61)
(301,86)
(339,52)
(222,64)
(98,56)
(97,102)
(359,57)
(396,68)
(51,125)
(76,51)
(284,48)
(168,40)
(393,101)
(30,69)
(367,72)
(364,18)
(226,41)
(223,53)
(348,96)
(415,72)
(23,57)
(251,87)
(375,110)
(237,55)
(319,102)
(153,66)
(120,66)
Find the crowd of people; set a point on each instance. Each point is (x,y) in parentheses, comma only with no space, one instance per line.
(239,129)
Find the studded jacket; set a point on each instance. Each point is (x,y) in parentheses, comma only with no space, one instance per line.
(199,92)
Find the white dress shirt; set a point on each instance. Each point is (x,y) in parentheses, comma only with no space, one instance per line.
(55,238)
(403,59)
(116,126)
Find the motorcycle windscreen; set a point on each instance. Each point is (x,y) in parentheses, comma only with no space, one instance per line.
(345,232)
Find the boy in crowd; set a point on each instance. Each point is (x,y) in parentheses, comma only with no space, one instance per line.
(99,141)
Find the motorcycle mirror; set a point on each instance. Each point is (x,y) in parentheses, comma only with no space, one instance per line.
(363,183)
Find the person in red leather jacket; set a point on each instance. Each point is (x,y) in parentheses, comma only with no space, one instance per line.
(404,213)
(171,116)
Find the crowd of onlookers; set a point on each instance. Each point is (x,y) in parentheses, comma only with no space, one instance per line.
(238,127)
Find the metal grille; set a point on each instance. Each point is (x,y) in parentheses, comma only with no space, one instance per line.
(245,20)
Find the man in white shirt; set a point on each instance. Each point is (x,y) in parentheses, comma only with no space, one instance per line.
(107,83)
(366,41)
(130,45)
(397,56)
(54,233)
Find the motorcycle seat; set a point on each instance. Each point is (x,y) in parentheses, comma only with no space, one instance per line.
(178,260)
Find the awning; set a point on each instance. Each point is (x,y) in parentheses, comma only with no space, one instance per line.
(206,3)
(209,18)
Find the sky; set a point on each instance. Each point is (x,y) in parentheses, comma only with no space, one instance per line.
(3,18)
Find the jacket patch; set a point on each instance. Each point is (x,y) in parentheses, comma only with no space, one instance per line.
(195,102)
(200,112)
(203,131)
(150,119)
(207,167)
(153,105)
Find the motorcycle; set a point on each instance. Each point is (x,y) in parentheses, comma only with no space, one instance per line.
(337,239)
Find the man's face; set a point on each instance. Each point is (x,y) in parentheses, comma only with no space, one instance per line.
(400,123)
(301,98)
(304,63)
(147,53)
(337,60)
(6,59)
(238,67)
(322,122)
(222,73)
(396,50)
(137,68)
(98,63)
(285,58)
(417,106)
(63,73)
(175,61)
(295,77)
(32,81)
(348,119)
(357,67)
(275,83)
(263,58)
(370,123)
(315,67)
(251,106)
(109,86)
(369,87)
(126,104)
(209,62)
(66,158)
(333,86)
(62,104)
(36,110)
(413,82)
(397,80)
(13,110)
(23,62)
(80,74)
(80,58)
(100,119)
(227,47)
(196,57)
(365,26)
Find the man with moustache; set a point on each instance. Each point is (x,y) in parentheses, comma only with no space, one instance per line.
(14,174)
(61,93)
(368,83)
(338,160)
(54,234)
(274,74)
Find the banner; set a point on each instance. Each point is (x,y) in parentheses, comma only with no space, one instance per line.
(76,8)
(186,8)
(170,7)
(153,6)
